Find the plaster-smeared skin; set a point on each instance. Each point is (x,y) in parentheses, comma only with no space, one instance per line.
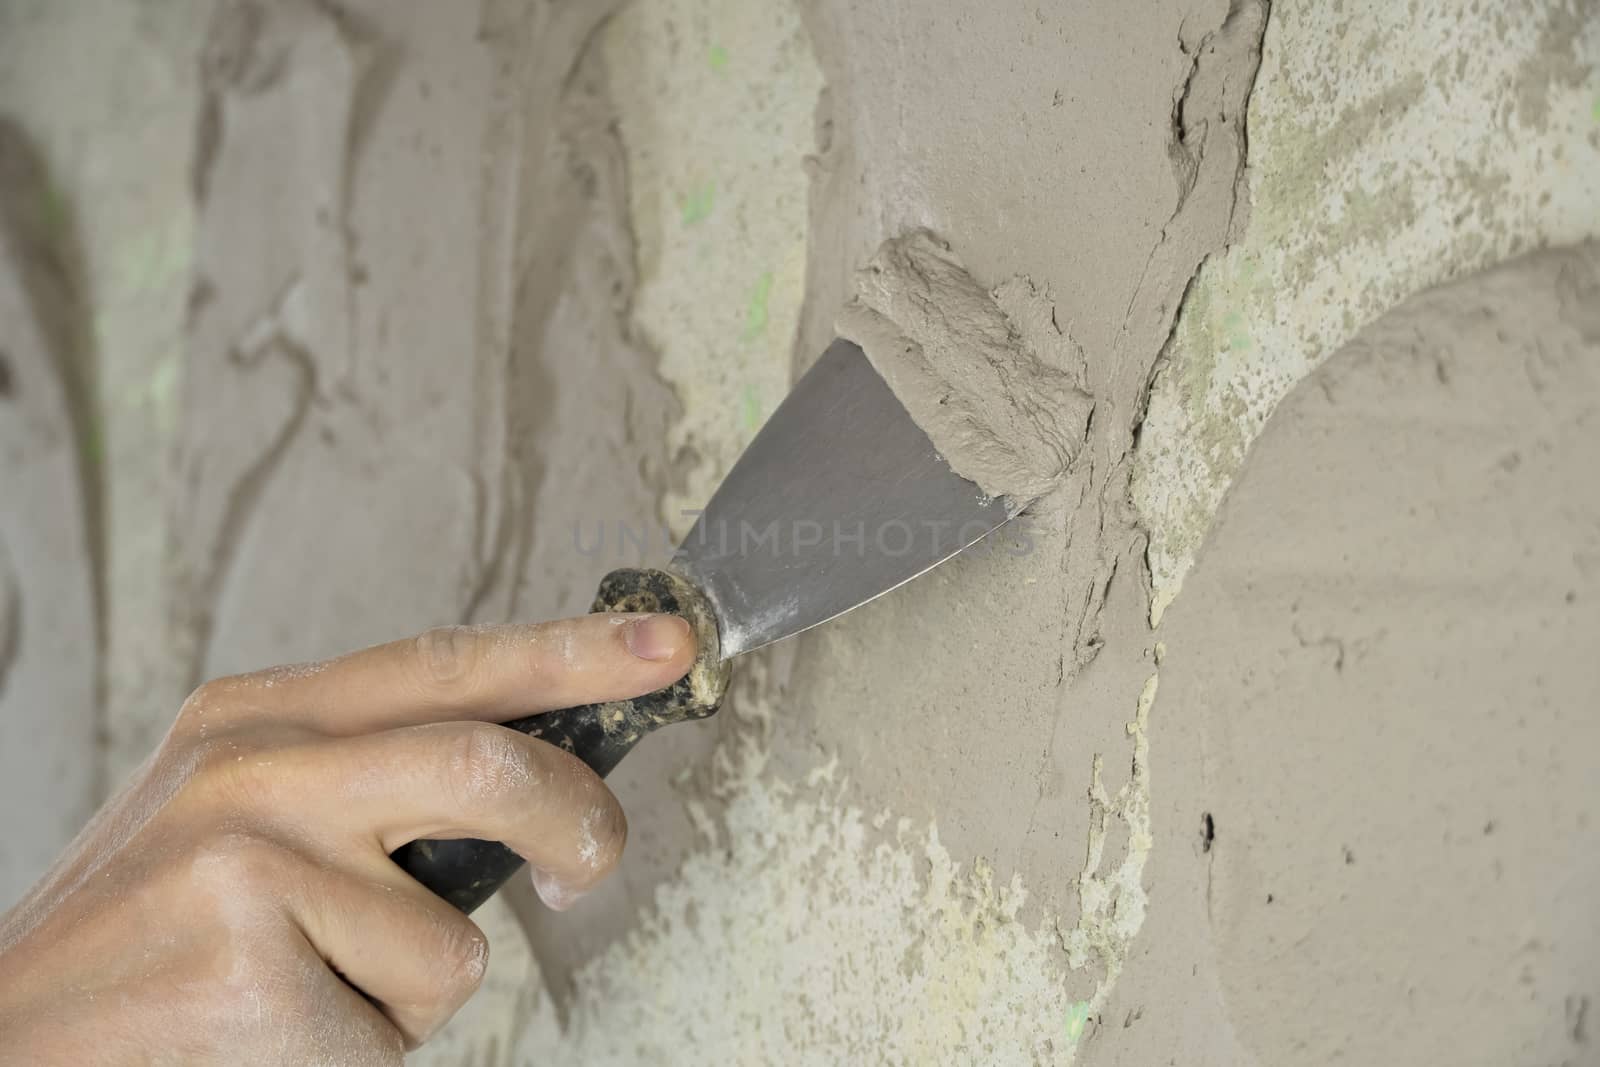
(242,880)
(1387,825)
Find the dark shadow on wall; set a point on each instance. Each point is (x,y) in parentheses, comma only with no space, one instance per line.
(41,224)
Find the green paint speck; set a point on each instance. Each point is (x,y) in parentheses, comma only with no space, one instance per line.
(717,58)
(755,312)
(1595,111)
(1235,332)
(1077,1019)
(750,408)
(93,442)
(161,394)
(697,205)
(53,212)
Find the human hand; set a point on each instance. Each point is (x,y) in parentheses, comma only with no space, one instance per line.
(236,902)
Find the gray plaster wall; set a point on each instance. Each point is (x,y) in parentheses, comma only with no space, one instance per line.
(385,298)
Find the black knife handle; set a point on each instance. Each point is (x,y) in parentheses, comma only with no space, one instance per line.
(467,872)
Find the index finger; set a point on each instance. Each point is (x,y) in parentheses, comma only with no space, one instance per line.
(484,673)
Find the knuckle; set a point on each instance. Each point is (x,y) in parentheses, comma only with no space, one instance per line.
(491,761)
(220,704)
(209,696)
(446,655)
(234,860)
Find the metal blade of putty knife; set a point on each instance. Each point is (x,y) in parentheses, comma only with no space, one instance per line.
(839,499)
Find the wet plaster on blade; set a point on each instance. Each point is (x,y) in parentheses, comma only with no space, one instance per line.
(988,376)
(1388,835)
(1386,156)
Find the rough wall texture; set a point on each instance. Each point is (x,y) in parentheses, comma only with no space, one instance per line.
(103,101)
(1422,723)
(1385,157)
(106,94)
(49,638)
(466,277)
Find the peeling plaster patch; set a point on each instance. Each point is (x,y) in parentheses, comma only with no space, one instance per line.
(718,205)
(1382,161)
(804,931)
(1111,907)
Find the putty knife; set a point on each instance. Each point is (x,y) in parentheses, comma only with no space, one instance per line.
(840,498)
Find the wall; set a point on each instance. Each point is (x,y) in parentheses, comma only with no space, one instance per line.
(102,100)
(462,277)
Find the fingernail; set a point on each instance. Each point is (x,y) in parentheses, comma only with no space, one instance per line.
(556,896)
(656,637)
